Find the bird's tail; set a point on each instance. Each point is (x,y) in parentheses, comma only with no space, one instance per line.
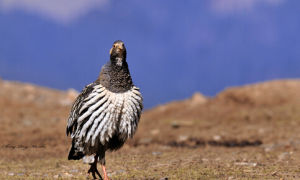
(73,154)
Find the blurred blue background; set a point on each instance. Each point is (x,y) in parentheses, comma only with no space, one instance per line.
(175,48)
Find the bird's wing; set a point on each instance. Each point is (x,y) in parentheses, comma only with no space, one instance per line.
(78,104)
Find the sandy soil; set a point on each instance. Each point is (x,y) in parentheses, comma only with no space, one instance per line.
(248,132)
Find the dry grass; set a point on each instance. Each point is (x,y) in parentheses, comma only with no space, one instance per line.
(172,140)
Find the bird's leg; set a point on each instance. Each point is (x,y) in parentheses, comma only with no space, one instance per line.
(104,171)
(102,162)
(93,169)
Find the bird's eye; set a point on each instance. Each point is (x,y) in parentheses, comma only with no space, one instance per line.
(114,46)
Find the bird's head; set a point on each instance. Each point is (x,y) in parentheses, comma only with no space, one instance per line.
(118,53)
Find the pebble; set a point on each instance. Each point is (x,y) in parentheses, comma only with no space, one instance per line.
(204,160)
(284,156)
(68,175)
(164,178)
(245,164)
(217,138)
(145,141)
(274,173)
(36,174)
(218,159)
(269,147)
(183,138)
(154,131)
(261,131)
(57,176)
(175,125)
(20,174)
(116,172)
(156,153)
(121,171)
(27,122)
(74,171)
(11,174)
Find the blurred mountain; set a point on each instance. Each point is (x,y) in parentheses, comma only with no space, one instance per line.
(174,48)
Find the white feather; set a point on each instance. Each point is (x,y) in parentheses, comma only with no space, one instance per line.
(107,110)
(92,101)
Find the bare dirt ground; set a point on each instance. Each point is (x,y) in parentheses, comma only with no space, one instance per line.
(248,132)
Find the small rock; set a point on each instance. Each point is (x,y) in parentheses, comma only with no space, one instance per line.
(68,175)
(217,138)
(27,122)
(230,178)
(261,131)
(269,114)
(156,153)
(218,159)
(116,172)
(269,147)
(154,131)
(164,178)
(245,164)
(36,174)
(204,160)
(183,138)
(175,125)
(74,171)
(185,123)
(145,140)
(55,176)
(11,174)
(121,171)
(284,156)
(274,173)
(20,174)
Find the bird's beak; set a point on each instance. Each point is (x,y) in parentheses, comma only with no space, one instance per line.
(118,47)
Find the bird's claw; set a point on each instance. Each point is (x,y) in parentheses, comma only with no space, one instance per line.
(93,169)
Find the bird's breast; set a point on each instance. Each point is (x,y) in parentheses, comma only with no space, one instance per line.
(126,110)
(106,114)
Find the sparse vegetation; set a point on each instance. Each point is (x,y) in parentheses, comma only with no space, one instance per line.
(33,144)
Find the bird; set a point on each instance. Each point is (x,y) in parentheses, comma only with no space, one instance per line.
(106,113)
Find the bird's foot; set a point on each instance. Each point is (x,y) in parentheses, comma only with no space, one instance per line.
(93,169)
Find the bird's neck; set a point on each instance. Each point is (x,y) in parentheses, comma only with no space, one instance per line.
(116,78)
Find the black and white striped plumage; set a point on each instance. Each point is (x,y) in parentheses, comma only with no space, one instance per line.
(107,112)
